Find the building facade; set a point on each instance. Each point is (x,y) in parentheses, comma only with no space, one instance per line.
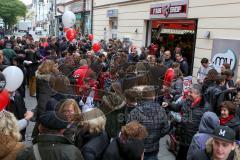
(42,10)
(200,27)
(81,9)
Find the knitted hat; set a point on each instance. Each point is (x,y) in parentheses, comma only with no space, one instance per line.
(53,120)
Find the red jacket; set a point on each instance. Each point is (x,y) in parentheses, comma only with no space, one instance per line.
(169,75)
(84,79)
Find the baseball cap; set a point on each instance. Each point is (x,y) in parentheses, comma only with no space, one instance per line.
(224,133)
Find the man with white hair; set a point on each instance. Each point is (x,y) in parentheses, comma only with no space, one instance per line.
(191,110)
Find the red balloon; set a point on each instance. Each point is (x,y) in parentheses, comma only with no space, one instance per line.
(71,34)
(65,29)
(90,37)
(96,47)
(4,99)
(171,37)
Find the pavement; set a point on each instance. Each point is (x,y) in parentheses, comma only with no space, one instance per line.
(31,103)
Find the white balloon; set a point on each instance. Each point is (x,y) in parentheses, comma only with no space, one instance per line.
(14,78)
(68,19)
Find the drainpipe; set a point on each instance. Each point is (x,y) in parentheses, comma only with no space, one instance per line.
(92,17)
(84,13)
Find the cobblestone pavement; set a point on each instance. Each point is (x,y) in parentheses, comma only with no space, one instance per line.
(31,102)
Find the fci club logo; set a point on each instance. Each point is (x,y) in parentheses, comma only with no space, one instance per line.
(166,10)
(227,57)
(222,132)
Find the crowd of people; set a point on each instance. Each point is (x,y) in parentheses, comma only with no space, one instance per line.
(116,102)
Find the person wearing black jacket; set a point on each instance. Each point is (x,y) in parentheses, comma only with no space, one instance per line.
(60,85)
(121,148)
(95,139)
(51,144)
(130,149)
(31,64)
(168,62)
(43,91)
(216,94)
(183,64)
(17,107)
(210,79)
(18,61)
(192,109)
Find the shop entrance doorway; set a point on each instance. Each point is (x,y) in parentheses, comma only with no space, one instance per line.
(175,35)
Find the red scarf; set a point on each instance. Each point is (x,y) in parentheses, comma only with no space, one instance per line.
(196,101)
(223,121)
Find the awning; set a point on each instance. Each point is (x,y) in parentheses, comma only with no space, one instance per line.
(174,24)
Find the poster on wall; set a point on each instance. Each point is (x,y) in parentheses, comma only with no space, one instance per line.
(225,51)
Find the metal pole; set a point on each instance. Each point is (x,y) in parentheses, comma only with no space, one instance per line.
(92,17)
(84,13)
(55,14)
(39,17)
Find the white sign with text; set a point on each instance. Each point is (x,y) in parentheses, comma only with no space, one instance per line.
(227,57)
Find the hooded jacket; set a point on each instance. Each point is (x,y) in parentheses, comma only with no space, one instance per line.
(207,153)
(207,125)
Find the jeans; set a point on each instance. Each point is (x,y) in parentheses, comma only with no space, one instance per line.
(152,156)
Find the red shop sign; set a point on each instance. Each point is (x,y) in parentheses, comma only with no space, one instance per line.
(169,10)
